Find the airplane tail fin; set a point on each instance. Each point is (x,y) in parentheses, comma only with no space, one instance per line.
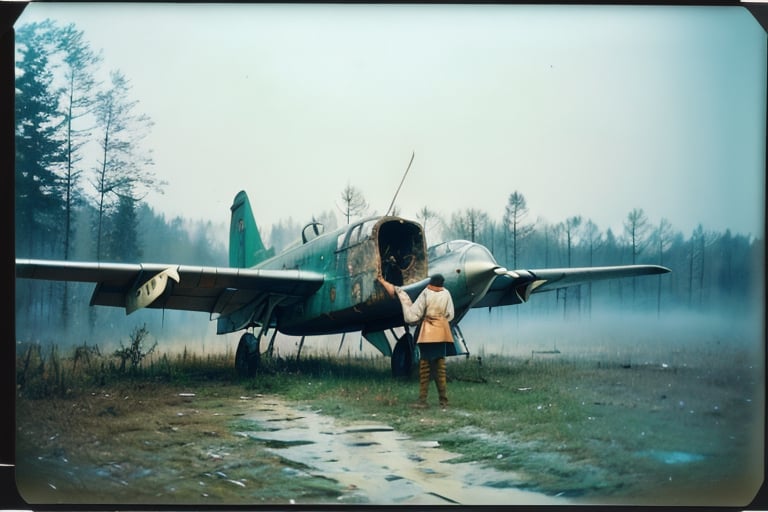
(245,246)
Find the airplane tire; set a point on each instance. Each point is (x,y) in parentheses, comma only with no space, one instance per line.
(402,356)
(247,356)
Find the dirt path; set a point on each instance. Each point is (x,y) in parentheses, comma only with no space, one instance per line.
(380,465)
(167,445)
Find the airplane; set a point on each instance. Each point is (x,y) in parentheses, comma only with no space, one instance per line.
(324,283)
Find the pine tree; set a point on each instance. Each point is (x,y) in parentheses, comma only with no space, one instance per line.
(38,148)
(38,156)
(124,244)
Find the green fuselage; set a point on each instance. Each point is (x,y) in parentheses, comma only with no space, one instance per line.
(351,258)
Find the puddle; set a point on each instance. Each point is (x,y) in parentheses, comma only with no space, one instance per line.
(379,465)
(671,457)
(271,452)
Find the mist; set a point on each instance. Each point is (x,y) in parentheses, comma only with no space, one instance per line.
(612,335)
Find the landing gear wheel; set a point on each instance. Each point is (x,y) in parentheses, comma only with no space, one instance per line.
(247,356)
(402,356)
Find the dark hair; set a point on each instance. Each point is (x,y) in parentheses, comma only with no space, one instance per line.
(437,280)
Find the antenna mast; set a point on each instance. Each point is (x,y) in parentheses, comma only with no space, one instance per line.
(413,154)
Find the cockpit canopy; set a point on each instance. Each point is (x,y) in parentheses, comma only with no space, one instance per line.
(445,248)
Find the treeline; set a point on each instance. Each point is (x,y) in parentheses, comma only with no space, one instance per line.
(80,142)
(82,170)
(43,315)
(710,270)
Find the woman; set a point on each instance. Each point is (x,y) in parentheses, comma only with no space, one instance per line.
(433,308)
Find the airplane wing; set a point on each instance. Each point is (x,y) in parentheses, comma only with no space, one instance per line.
(216,290)
(515,287)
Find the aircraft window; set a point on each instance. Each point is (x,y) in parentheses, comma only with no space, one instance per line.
(444,248)
(438,250)
(361,232)
(311,231)
(367,228)
(455,245)
(358,233)
(354,235)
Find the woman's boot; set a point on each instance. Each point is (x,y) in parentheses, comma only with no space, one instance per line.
(442,382)
(423,382)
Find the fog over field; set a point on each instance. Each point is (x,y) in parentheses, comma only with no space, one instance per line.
(623,337)
(610,333)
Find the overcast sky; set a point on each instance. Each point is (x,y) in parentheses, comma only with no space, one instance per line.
(589,110)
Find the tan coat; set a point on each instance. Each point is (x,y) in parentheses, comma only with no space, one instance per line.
(434,309)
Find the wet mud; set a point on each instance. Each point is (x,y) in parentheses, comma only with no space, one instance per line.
(166,446)
(376,464)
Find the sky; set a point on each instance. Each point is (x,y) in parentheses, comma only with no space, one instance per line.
(585,110)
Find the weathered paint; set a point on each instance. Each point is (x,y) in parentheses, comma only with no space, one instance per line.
(351,299)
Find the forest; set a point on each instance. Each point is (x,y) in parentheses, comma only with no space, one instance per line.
(72,205)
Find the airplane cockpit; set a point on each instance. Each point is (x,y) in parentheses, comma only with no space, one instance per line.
(445,248)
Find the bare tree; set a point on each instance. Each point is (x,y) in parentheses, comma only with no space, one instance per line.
(515,226)
(590,238)
(636,227)
(663,237)
(124,168)
(353,202)
(571,228)
(554,239)
(468,224)
(700,241)
(429,219)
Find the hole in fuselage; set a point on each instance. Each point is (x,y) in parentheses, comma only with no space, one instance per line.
(401,249)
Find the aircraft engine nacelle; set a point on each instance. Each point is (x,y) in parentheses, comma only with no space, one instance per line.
(145,293)
(469,270)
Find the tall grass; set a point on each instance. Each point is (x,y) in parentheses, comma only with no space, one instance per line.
(45,371)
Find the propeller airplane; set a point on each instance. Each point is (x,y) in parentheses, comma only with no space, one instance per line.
(325,283)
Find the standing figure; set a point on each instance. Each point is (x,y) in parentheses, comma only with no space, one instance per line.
(433,308)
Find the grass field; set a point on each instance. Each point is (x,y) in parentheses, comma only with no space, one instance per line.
(651,423)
